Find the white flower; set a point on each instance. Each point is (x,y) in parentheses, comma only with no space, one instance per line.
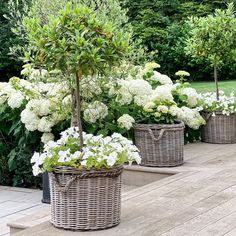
(192,95)
(36,170)
(95,111)
(162,79)
(45,125)
(162,109)
(84,162)
(191,117)
(30,119)
(15,100)
(46,137)
(111,159)
(64,155)
(44,108)
(35,157)
(162,93)
(182,73)
(126,121)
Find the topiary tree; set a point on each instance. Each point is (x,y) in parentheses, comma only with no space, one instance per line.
(214,38)
(79,43)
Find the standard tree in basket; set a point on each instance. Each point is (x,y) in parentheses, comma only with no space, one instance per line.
(84,169)
(213,38)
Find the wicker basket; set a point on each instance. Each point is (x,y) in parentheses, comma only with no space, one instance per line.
(219,129)
(160,145)
(85,200)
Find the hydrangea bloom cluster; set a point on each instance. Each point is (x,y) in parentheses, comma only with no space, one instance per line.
(225,104)
(126,121)
(136,90)
(41,103)
(98,152)
(95,111)
(163,103)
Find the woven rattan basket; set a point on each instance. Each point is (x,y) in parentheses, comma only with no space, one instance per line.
(85,200)
(160,145)
(219,128)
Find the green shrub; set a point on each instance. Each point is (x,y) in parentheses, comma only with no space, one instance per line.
(160,25)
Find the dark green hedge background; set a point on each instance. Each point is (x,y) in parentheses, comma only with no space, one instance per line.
(160,24)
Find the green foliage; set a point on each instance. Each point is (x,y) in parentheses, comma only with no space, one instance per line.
(17,145)
(76,41)
(160,25)
(213,37)
(9,66)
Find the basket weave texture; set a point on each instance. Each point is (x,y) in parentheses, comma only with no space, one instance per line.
(219,129)
(160,145)
(85,200)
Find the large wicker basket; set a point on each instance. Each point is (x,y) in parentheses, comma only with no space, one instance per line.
(85,200)
(219,128)
(160,145)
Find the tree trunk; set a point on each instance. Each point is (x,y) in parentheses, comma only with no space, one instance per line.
(216,82)
(74,119)
(78,108)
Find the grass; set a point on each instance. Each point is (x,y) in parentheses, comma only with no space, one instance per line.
(226,86)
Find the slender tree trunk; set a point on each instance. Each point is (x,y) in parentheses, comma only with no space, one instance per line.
(78,108)
(216,82)
(74,119)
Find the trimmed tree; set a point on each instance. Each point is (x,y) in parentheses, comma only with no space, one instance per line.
(213,38)
(79,43)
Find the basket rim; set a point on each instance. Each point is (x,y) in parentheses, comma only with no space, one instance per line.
(216,113)
(83,173)
(178,125)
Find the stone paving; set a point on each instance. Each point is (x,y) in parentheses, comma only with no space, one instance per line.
(200,200)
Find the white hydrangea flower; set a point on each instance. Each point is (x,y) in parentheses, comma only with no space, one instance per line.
(95,111)
(192,95)
(46,137)
(163,109)
(45,125)
(182,73)
(191,117)
(162,93)
(126,121)
(161,78)
(30,119)
(15,100)
(44,108)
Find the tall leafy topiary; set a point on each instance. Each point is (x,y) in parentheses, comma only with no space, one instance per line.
(214,38)
(79,43)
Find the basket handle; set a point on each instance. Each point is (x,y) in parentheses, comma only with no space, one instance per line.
(152,135)
(208,116)
(67,186)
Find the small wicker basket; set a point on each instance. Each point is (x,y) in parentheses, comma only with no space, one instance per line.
(85,200)
(220,129)
(160,145)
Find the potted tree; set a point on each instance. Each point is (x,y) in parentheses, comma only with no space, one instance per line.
(213,38)
(84,169)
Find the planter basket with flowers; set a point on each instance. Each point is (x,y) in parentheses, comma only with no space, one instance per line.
(220,118)
(85,186)
(159,120)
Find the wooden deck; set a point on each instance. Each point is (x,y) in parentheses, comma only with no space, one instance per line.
(199,200)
